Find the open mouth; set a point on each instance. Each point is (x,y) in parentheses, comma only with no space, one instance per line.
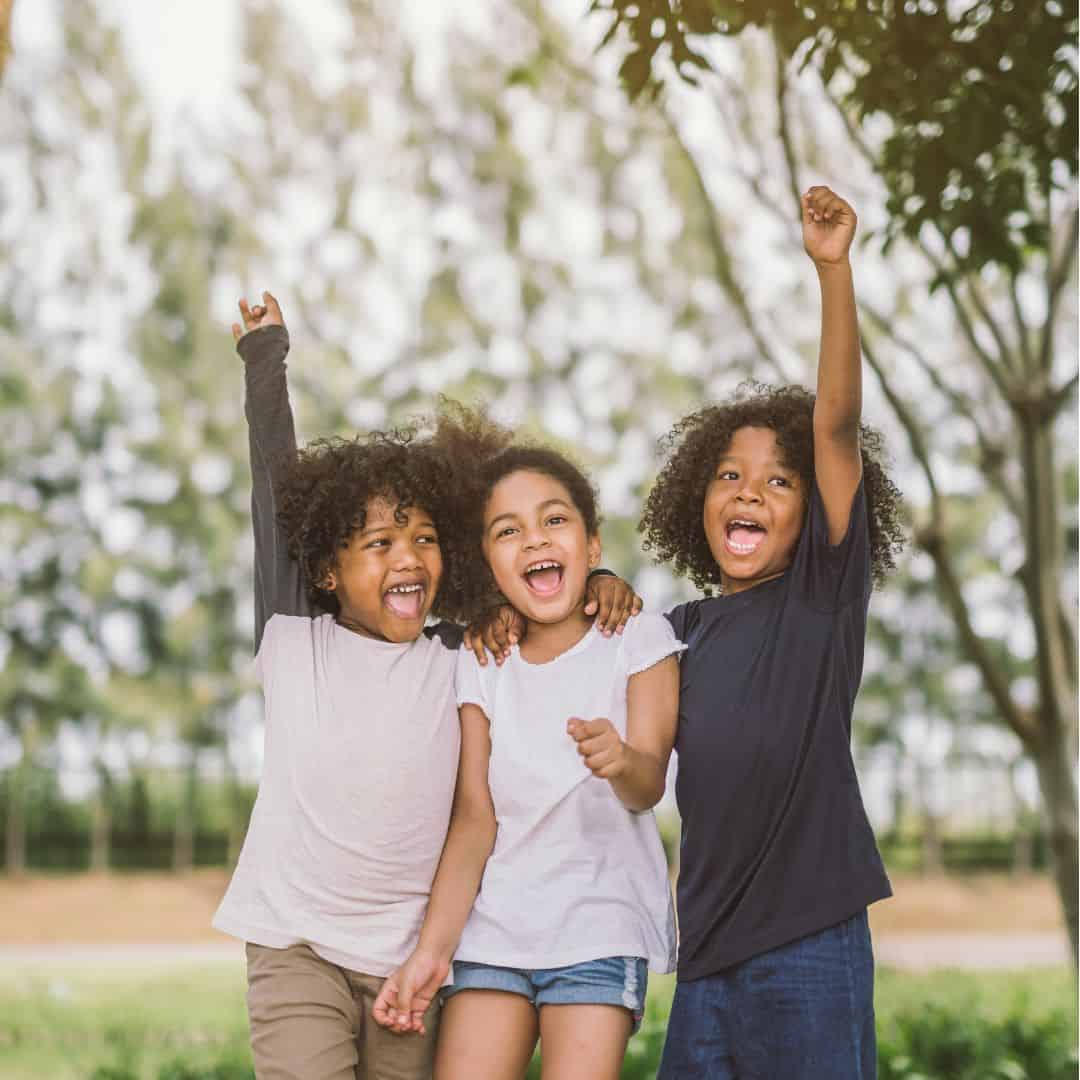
(544,578)
(406,601)
(743,536)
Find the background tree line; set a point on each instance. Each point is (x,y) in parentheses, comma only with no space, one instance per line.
(477,208)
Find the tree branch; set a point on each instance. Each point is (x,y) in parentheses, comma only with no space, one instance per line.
(784,130)
(721,255)
(993,457)
(932,539)
(1023,333)
(989,364)
(1058,275)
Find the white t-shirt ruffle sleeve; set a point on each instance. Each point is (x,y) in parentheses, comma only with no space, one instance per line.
(574,875)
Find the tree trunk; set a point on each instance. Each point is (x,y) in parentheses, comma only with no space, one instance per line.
(1057,780)
(184,829)
(15,832)
(101,822)
(7,7)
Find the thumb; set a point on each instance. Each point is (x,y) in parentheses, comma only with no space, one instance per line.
(273,308)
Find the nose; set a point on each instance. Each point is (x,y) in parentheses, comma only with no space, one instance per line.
(748,494)
(406,556)
(535,538)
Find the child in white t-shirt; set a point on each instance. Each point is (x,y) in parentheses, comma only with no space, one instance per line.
(356,543)
(564,752)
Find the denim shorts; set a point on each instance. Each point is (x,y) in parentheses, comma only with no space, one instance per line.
(614,980)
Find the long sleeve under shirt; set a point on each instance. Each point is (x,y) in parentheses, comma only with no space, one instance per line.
(775,841)
(362,742)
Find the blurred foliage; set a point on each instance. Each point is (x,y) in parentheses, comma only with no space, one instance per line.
(191,1023)
(980,98)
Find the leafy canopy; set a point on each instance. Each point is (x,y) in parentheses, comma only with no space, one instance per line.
(981,98)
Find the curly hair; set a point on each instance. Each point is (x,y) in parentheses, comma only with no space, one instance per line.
(323,495)
(491,467)
(672,522)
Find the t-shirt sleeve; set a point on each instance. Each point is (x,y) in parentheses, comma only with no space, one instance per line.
(831,576)
(471,681)
(268,648)
(647,640)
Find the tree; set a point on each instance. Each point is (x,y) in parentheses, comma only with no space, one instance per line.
(976,158)
(7,7)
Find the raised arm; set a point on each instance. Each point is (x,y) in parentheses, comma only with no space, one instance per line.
(828,229)
(263,345)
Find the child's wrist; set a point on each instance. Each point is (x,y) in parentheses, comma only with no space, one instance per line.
(827,269)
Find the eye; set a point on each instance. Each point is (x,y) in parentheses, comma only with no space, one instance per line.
(727,474)
(381,542)
(506,530)
(557,519)
(427,539)
(781,481)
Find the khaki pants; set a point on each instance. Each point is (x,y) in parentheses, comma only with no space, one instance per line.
(311,1020)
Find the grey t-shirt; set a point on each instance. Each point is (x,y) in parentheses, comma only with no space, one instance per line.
(775,841)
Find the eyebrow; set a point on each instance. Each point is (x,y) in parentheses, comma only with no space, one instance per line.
(542,507)
(777,462)
(425,523)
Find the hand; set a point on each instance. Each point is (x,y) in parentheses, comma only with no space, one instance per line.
(268,313)
(828,226)
(496,632)
(612,600)
(600,745)
(405,996)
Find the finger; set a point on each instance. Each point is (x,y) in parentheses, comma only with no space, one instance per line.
(237,333)
(599,726)
(385,1003)
(273,307)
(597,763)
(590,607)
(574,729)
(476,645)
(245,312)
(603,613)
(497,647)
(599,744)
(258,312)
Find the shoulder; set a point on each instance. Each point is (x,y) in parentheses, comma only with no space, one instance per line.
(447,634)
(646,640)
(473,683)
(289,635)
(683,617)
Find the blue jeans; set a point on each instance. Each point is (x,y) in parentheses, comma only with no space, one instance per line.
(804,1011)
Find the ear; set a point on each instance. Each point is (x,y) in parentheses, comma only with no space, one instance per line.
(593,549)
(328,582)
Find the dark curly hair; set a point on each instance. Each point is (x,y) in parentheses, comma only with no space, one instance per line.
(672,521)
(324,492)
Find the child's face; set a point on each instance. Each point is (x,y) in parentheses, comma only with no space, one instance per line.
(537,547)
(754,508)
(387,576)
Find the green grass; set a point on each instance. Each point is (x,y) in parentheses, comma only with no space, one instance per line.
(135,1022)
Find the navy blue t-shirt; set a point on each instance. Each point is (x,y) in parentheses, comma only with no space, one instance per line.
(775,841)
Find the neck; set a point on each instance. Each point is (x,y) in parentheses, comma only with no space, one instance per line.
(545,641)
(730,586)
(343,618)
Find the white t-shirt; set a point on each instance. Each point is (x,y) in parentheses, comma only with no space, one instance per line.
(362,743)
(574,875)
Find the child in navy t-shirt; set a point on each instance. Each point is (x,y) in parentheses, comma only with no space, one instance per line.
(779,498)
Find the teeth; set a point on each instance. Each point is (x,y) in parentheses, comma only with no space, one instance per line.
(405,588)
(542,566)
